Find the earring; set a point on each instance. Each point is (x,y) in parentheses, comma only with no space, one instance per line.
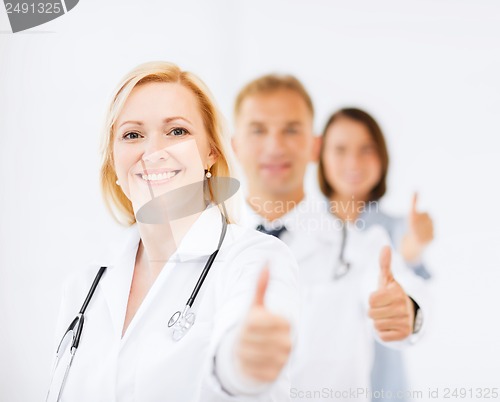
(117,183)
(208,175)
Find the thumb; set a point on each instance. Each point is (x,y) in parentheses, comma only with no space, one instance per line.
(385,277)
(413,212)
(262,283)
(414,203)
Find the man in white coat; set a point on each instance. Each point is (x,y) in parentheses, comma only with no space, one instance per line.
(349,293)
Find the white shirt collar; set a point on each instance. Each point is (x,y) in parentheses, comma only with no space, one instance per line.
(308,227)
(308,215)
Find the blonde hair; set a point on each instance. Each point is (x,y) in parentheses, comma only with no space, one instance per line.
(162,72)
(271,83)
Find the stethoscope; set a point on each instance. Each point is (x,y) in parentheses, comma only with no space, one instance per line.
(182,322)
(72,336)
(341,267)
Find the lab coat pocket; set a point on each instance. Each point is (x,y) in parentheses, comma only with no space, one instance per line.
(332,318)
(332,339)
(170,363)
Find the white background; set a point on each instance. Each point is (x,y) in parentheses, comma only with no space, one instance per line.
(428,70)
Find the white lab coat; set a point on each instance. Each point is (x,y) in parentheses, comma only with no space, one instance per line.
(146,364)
(334,352)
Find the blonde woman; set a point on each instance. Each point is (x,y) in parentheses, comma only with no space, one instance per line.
(193,308)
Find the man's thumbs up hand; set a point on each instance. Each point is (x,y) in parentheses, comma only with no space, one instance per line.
(262,283)
(265,341)
(385,276)
(391,309)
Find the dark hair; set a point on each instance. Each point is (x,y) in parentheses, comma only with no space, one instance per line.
(377,136)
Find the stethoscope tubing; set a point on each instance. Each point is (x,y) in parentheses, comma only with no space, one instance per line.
(79,320)
(208,265)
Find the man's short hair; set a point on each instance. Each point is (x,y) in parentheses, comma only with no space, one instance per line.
(271,83)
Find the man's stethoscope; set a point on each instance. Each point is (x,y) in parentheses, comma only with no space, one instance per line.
(181,322)
(342,266)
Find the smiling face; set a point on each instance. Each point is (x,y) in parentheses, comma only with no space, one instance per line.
(274,141)
(159,142)
(350,157)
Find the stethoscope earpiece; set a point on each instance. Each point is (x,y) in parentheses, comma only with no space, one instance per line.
(71,340)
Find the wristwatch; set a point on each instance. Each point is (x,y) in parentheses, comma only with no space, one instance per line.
(418,318)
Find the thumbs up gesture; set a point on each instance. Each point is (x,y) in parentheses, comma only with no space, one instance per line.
(391,309)
(420,233)
(265,342)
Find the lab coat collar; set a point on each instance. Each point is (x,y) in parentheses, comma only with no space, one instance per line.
(201,240)
(117,279)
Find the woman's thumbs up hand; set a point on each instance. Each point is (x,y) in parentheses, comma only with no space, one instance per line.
(391,309)
(420,233)
(265,341)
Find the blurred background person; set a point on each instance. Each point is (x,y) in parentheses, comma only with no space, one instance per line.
(274,143)
(352,171)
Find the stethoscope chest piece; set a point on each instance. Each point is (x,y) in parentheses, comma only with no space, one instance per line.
(341,269)
(182,323)
(174,318)
(342,266)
